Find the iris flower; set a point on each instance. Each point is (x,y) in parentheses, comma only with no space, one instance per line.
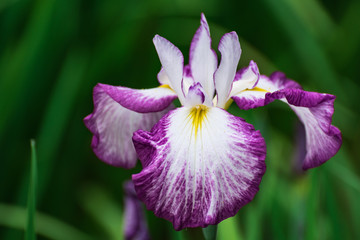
(200,163)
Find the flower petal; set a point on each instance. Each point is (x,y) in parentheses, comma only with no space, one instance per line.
(135,226)
(248,98)
(300,148)
(203,59)
(253,97)
(142,101)
(229,47)
(195,95)
(200,166)
(243,86)
(187,81)
(163,78)
(113,127)
(172,61)
(246,78)
(314,110)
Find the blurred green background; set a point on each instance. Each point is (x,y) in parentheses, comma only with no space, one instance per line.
(53,52)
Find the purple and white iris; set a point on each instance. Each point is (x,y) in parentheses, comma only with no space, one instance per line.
(200,163)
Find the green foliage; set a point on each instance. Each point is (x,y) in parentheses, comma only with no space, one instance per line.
(53,52)
(30,226)
(210,232)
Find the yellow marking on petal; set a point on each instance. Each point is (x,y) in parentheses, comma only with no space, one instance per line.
(165,86)
(197,116)
(257,89)
(228,103)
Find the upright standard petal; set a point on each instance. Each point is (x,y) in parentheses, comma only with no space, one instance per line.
(113,126)
(141,100)
(172,61)
(200,166)
(135,226)
(229,47)
(203,59)
(314,110)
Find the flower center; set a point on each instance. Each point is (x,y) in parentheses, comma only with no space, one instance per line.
(197,116)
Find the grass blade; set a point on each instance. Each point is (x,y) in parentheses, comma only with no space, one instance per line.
(312,213)
(105,210)
(343,172)
(229,229)
(210,232)
(46,226)
(56,117)
(30,226)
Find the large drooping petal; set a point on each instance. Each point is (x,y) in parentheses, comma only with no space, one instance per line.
(200,166)
(203,59)
(172,62)
(135,226)
(314,110)
(113,126)
(141,100)
(229,47)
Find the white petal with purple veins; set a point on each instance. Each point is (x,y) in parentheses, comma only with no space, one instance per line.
(315,111)
(113,126)
(248,98)
(141,100)
(200,166)
(245,79)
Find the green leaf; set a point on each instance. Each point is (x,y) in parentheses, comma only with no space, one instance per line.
(229,229)
(104,209)
(210,232)
(57,115)
(46,226)
(30,226)
(303,43)
(311,223)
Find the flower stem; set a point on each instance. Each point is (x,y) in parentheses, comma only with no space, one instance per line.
(210,232)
